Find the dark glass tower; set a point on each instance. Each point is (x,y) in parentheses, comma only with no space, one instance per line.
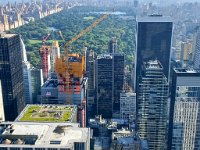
(109,83)
(11,75)
(153,43)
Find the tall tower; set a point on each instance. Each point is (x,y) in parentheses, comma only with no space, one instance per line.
(196,51)
(184,123)
(26,76)
(152,106)
(112,45)
(153,43)
(11,75)
(109,83)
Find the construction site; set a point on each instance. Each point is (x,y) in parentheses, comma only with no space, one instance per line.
(64,75)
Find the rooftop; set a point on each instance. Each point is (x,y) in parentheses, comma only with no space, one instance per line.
(153,64)
(42,134)
(48,113)
(4,35)
(182,70)
(154,18)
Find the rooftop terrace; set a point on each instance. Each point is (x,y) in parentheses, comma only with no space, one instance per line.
(48,113)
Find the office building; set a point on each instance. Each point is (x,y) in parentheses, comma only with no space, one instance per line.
(152,70)
(128,106)
(11,75)
(36,83)
(2,115)
(153,41)
(184,123)
(109,83)
(196,50)
(112,45)
(44,136)
(26,76)
(152,105)
(118,67)
(104,83)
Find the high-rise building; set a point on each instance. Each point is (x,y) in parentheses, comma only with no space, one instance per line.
(104,85)
(55,53)
(11,75)
(152,69)
(2,115)
(26,76)
(109,83)
(128,106)
(153,41)
(196,50)
(152,105)
(112,45)
(184,123)
(36,83)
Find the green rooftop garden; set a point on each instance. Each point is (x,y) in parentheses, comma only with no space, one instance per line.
(47,113)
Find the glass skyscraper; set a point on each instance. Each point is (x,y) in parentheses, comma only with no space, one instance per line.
(184,131)
(109,83)
(11,75)
(152,69)
(152,106)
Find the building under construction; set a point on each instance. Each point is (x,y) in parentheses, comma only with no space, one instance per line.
(54,90)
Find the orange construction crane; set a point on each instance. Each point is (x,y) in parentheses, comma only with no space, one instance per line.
(62,67)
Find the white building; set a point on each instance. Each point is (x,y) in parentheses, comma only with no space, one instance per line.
(44,136)
(128,106)
(26,76)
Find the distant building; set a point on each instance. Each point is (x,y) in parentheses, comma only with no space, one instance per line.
(55,53)
(152,105)
(43,136)
(186,53)
(184,131)
(26,76)
(90,71)
(127,140)
(109,83)
(112,45)
(36,83)
(196,55)
(11,75)
(128,106)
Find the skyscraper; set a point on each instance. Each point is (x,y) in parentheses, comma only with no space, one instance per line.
(26,76)
(196,50)
(184,123)
(152,65)
(112,45)
(153,41)
(11,75)
(152,105)
(109,83)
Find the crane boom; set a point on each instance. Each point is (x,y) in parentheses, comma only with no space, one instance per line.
(62,66)
(86,30)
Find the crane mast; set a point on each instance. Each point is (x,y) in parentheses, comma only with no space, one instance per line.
(62,66)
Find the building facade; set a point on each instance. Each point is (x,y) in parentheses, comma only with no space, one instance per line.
(196,50)
(26,76)
(109,83)
(184,123)
(153,41)
(128,106)
(152,105)
(112,45)
(152,70)
(11,75)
